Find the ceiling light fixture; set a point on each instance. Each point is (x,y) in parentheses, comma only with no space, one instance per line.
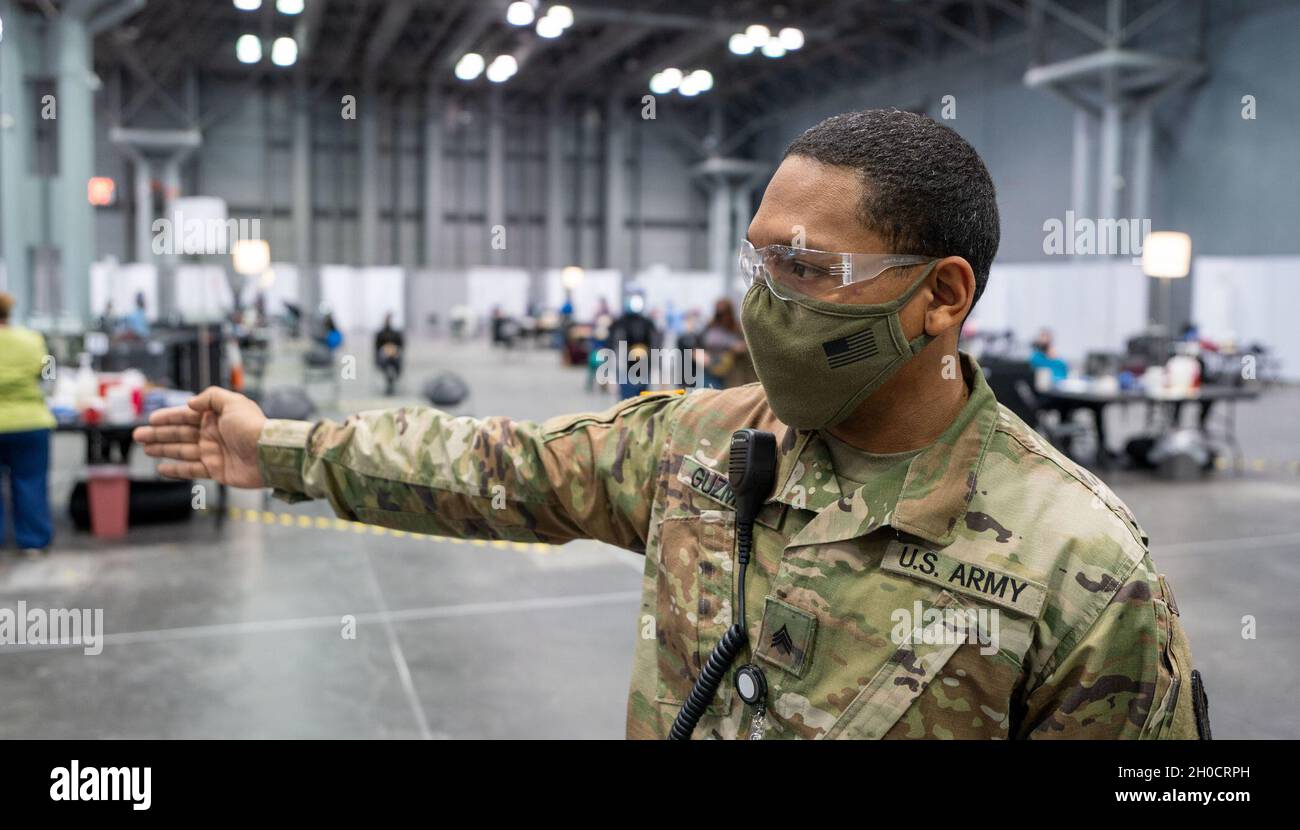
(689,84)
(790,38)
(248,49)
(502,69)
(284,51)
(562,15)
(740,44)
(520,13)
(470,66)
(549,27)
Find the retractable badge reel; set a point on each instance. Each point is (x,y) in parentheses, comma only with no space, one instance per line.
(751,685)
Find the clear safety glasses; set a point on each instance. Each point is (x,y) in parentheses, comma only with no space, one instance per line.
(801,273)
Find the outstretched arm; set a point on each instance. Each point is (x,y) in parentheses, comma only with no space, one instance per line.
(425,471)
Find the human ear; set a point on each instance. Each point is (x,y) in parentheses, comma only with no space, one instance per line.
(952,291)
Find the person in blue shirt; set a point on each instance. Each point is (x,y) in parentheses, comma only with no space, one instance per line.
(1043,356)
(137,322)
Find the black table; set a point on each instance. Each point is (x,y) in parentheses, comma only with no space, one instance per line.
(1066,402)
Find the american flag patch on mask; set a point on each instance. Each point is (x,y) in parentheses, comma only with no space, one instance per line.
(850,349)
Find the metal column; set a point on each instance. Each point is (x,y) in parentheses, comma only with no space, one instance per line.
(615,187)
(302,200)
(74,232)
(557,252)
(495,175)
(719,226)
(168,290)
(1081,163)
(14,163)
(433,179)
(368,198)
(143,208)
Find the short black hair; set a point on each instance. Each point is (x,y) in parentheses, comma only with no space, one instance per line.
(924,188)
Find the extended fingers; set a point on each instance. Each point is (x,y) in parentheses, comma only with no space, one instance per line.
(176,415)
(177,452)
(187,470)
(166,434)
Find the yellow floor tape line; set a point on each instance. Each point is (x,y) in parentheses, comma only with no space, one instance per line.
(268,517)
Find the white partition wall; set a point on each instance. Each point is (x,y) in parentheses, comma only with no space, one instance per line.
(118,283)
(360,297)
(597,284)
(384,290)
(431,294)
(279,286)
(203,292)
(681,291)
(504,288)
(1089,306)
(1250,300)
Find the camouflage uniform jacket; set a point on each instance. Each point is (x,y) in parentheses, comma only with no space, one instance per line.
(854,611)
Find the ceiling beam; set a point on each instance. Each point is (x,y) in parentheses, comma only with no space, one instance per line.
(307,28)
(110,17)
(396,13)
(478,22)
(605,48)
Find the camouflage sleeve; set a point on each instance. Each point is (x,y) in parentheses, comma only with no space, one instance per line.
(1128,676)
(425,471)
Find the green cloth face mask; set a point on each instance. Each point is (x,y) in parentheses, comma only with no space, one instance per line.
(818,360)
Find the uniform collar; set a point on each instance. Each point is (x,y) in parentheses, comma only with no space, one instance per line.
(935,495)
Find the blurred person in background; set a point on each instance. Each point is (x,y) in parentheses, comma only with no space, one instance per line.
(728,363)
(639,334)
(1042,355)
(107,321)
(389,344)
(25,427)
(600,324)
(136,324)
(690,345)
(329,335)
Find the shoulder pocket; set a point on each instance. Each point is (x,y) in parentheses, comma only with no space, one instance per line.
(899,682)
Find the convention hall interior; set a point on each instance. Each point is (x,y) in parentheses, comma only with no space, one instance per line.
(335,206)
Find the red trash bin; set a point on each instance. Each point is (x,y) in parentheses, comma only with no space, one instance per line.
(108,489)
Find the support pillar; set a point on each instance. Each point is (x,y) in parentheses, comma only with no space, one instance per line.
(308,279)
(15,231)
(615,236)
(74,231)
(433,179)
(368,178)
(557,252)
(495,176)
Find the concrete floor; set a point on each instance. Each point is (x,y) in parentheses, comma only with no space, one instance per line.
(232,628)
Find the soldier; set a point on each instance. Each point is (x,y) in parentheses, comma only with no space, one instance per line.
(927,565)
